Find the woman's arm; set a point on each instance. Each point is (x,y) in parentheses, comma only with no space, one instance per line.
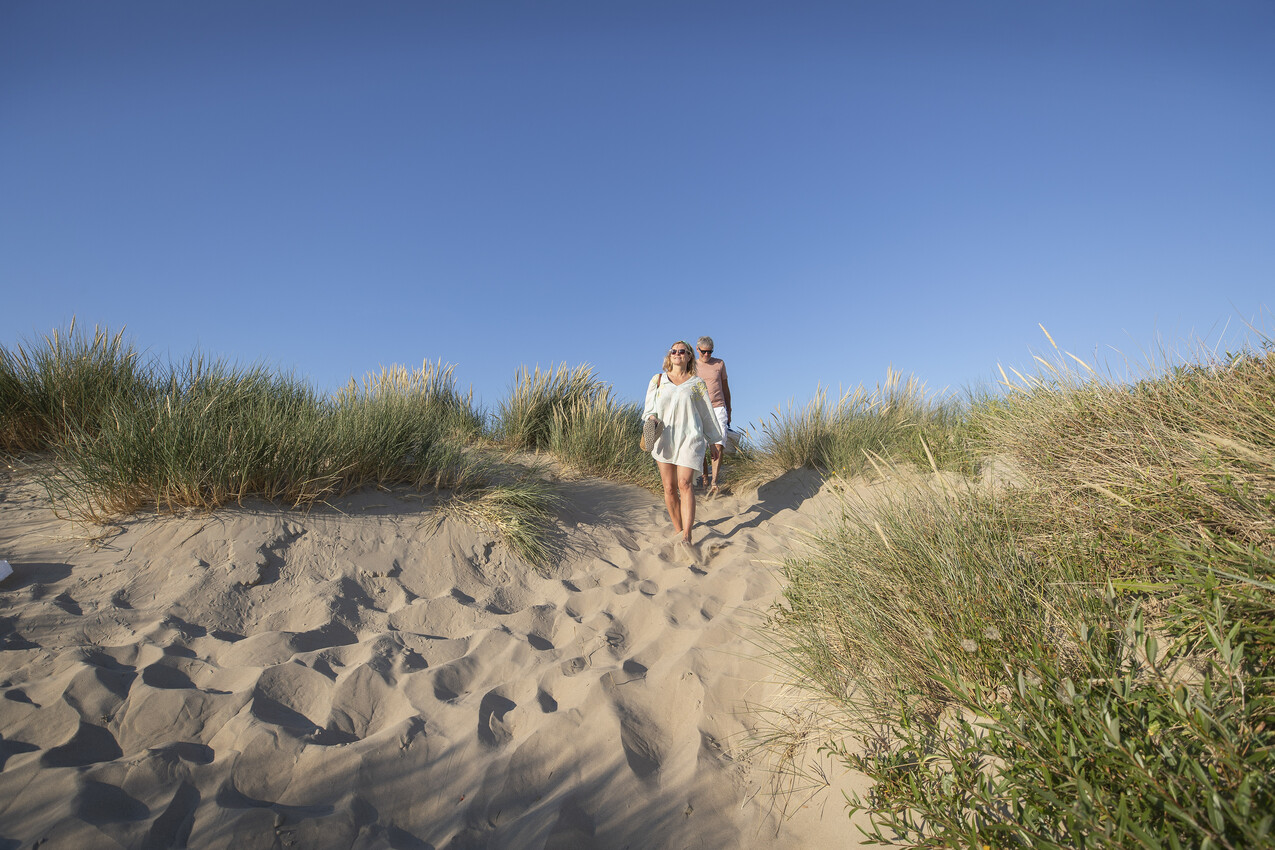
(704,413)
(652,393)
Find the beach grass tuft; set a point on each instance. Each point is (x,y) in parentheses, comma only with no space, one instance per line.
(897,421)
(64,383)
(219,433)
(124,434)
(520,511)
(1081,659)
(525,419)
(577,418)
(600,436)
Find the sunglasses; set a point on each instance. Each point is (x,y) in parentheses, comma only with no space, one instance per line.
(706,351)
(679,351)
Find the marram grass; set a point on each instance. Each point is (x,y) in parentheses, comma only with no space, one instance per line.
(896,422)
(219,433)
(64,383)
(1085,659)
(601,436)
(576,418)
(525,418)
(126,435)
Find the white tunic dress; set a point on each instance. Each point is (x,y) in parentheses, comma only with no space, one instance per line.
(689,423)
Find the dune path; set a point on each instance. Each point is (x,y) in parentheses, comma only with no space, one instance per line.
(370,674)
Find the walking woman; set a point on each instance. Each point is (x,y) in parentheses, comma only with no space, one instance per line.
(680,401)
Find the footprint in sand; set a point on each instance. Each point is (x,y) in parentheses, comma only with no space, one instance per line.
(90,745)
(686,608)
(454,679)
(584,604)
(495,726)
(573,829)
(617,638)
(575,666)
(658,730)
(547,703)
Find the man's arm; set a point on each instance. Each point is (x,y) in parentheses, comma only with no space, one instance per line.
(726,393)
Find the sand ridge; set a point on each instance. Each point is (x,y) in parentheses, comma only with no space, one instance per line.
(370,674)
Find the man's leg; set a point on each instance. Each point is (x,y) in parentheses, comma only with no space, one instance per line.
(722,418)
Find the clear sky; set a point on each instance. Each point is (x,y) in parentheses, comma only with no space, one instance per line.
(827,188)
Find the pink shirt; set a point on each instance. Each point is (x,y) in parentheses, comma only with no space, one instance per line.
(713,373)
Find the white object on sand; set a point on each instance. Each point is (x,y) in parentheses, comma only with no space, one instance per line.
(5,570)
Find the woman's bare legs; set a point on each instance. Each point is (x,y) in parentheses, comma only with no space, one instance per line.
(686,486)
(672,496)
(679,496)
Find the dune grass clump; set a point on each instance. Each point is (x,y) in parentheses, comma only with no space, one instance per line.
(213,435)
(220,433)
(210,433)
(1185,453)
(64,384)
(897,422)
(1083,660)
(891,598)
(521,511)
(601,437)
(525,419)
(572,415)
(406,427)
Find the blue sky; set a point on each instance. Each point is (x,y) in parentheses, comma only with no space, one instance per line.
(826,188)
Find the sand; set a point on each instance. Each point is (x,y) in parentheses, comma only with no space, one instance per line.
(369,674)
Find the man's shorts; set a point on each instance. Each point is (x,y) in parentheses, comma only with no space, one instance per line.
(721,420)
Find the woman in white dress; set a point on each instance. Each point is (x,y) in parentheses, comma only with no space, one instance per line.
(680,400)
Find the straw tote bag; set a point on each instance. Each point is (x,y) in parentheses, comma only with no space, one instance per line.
(652,428)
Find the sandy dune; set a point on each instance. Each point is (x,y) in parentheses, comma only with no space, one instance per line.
(368,675)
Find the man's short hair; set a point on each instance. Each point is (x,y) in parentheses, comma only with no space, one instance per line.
(704,342)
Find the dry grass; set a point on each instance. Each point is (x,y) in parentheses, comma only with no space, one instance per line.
(1022,610)
(897,421)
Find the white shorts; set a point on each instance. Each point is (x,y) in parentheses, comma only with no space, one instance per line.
(721,420)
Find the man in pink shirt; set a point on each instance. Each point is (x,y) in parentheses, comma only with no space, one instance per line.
(712,371)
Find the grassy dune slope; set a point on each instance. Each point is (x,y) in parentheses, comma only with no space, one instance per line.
(1081,659)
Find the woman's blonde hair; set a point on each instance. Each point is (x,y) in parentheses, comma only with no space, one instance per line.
(668,358)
